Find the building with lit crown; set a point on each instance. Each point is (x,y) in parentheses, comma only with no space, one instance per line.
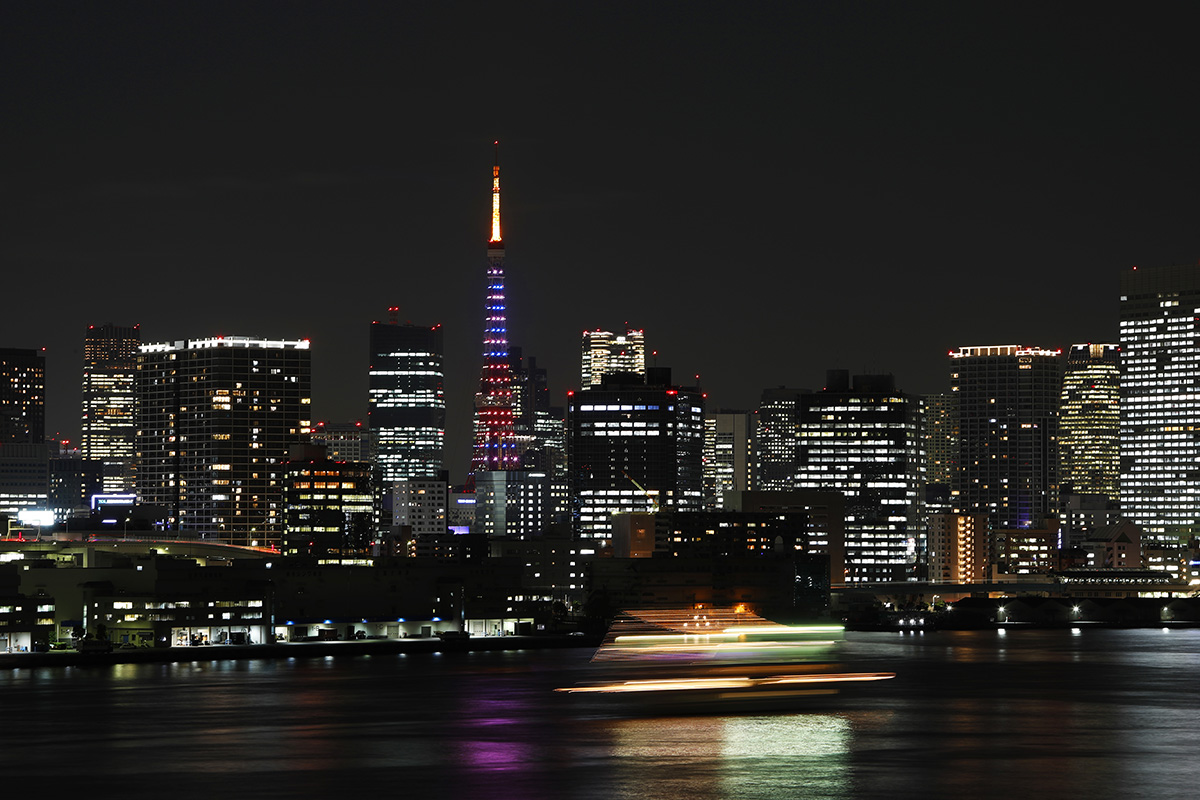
(605,352)
(1090,420)
(109,424)
(1160,401)
(1008,454)
(216,420)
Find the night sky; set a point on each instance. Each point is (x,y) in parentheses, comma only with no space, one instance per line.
(770,190)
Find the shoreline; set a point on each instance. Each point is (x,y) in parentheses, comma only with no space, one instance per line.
(230,652)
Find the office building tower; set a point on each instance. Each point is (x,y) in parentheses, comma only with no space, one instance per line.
(530,399)
(109,425)
(24,478)
(407,401)
(1008,459)
(216,420)
(421,505)
(1082,516)
(1160,402)
(605,353)
(633,446)
(727,455)
(22,396)
(825,512)
(539,431)
(74,481)
(530,390)
(328,506)
(863,439)
(777,440)
(958,548)
(1090,420)
(550,457)
(941,437)
(343,441)
(494,447)
(512,503)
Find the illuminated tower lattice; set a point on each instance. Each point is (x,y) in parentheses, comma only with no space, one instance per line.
(494,444)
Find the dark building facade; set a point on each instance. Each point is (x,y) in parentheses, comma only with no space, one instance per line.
(329,505)
(22,396)
(1008,451)
(633,446)
(776,444)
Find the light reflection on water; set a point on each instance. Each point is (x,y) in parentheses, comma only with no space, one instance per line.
(970,714)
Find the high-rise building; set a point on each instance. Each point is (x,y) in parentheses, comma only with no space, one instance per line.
(941,437)
(530,390)
(826,519)
(74,481)
(1160,401)
(863,439)
(539,435)
(512,503)
(777,440)
(109,424)
(633,447)
(1008,466)
(343,441)
(605,352)
(727,455)
(1090,420)
(407,401)
(22,396)
(329,505)
(421,505)
(216,420)
(958,548)
(495,448)
(24,477)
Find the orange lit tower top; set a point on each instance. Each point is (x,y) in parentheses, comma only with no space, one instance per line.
(494,443)
(495,242)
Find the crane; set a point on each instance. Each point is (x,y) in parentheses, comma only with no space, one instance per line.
(653,498)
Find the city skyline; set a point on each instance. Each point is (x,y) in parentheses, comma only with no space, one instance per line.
(768,193)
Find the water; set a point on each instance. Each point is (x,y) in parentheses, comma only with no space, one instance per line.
(1106,713)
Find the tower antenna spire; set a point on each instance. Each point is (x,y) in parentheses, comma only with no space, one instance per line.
(496,239)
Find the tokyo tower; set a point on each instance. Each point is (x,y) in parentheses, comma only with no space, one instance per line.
(495,447)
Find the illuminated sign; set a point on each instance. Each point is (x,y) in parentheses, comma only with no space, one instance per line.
(40,517)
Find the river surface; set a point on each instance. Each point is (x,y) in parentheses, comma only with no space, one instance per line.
(979,714)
